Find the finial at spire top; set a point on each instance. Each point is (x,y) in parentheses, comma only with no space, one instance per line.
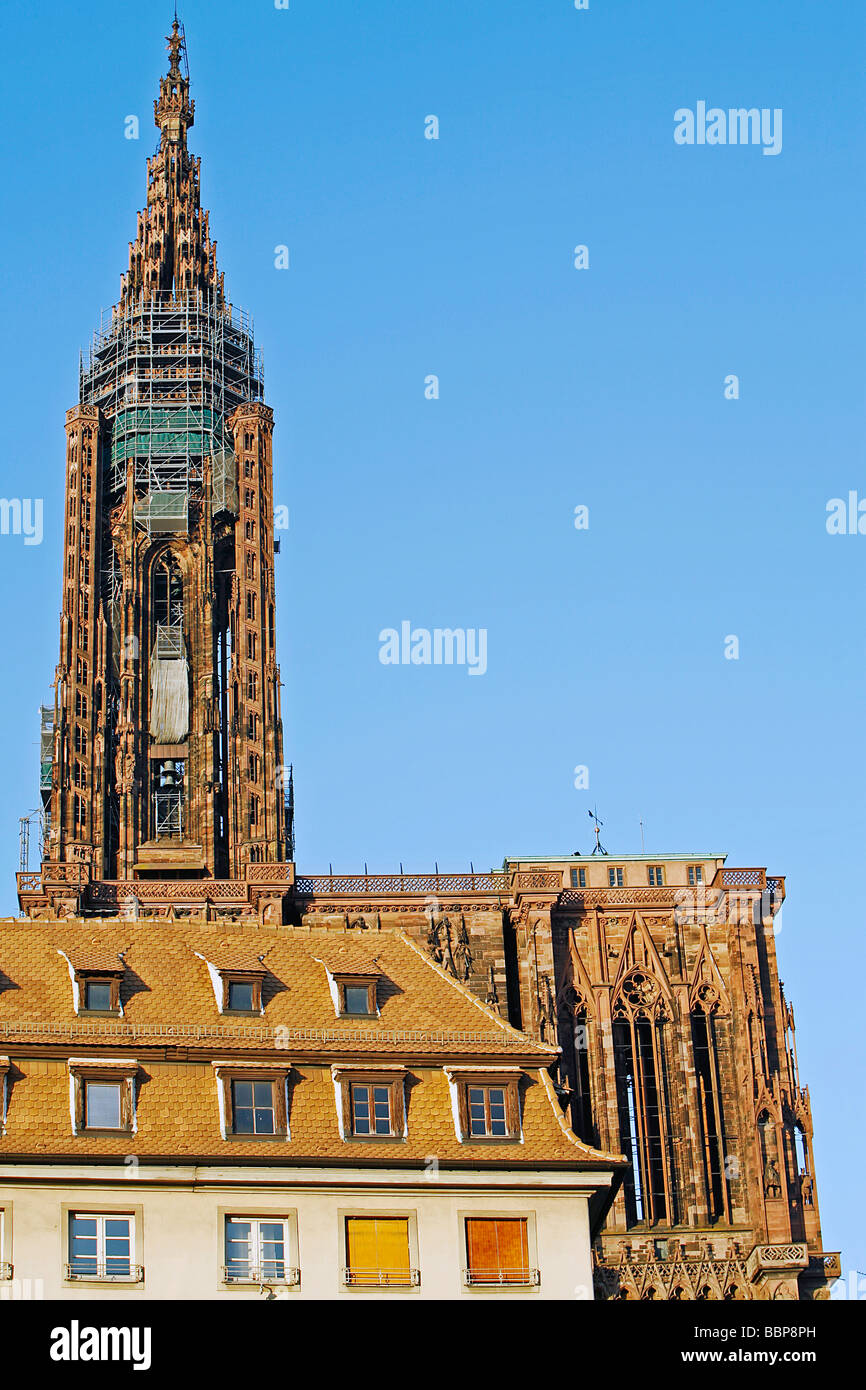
(174,41)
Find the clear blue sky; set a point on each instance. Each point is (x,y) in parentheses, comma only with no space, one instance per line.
(601,387)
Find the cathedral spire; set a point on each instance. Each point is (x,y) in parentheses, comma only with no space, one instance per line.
(172,254)
(173,112)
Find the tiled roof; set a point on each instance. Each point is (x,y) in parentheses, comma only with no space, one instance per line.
(227,955)
(172,1027)
(92,955)
(348,960)
(166,985)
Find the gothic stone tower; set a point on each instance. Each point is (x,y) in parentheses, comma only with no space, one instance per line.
(166,758)
(162,776)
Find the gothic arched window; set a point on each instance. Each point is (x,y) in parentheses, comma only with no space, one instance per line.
(705,1003)
(639,1017)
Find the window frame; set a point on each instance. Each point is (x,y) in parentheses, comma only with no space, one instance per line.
(408,1286)
(345,982)
(616,876)
(134,1212)
(656,875)
(481,1286)
(507,1079)
(278,1075)
(242,977)
(5,1068)
(112,981)
(291,1277)
(103,1071)
(695,875)
(486,1092)
(7,1268)
(346,1077)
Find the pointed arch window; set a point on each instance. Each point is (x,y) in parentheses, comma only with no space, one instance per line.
(705,1004)
(167,598)
(643,1098)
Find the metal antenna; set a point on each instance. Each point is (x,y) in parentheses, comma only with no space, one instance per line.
(597,824)
(642,848)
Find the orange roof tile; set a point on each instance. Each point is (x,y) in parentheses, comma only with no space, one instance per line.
(226,955)
(92,956)
(348,960)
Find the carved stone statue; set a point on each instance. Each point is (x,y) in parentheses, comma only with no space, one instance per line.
(772,1180)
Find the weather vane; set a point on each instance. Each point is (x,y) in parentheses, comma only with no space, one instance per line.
(597,824)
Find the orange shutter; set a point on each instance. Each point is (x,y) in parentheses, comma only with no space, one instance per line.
(497,1249)
(378,1245)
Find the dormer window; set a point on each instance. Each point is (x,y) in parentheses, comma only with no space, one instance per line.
(253,1099)
(371,1101)
(237,977)
(486,1103)
(103,1094)
(353,980)
(96,974)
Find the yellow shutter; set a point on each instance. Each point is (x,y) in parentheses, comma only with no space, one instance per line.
(378,1245)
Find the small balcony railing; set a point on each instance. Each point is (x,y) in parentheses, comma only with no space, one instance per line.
(267,1274)
(501,1277)
(382,1278)
(115,1271)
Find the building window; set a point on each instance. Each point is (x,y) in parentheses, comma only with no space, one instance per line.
(102,1247)
(696,874)
(487,1111)
(578,878)
(102,1105)
(5,1265)
(371,1101)
(641,1072)
(497,1251)
(614,878)
(103,1095)
(253,1107)
(257,1251)
(378,1252)
(101,996)
(253,1099)
(488,1106)
(241,995)
(656,875)
(357,1000)
(371,1109)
